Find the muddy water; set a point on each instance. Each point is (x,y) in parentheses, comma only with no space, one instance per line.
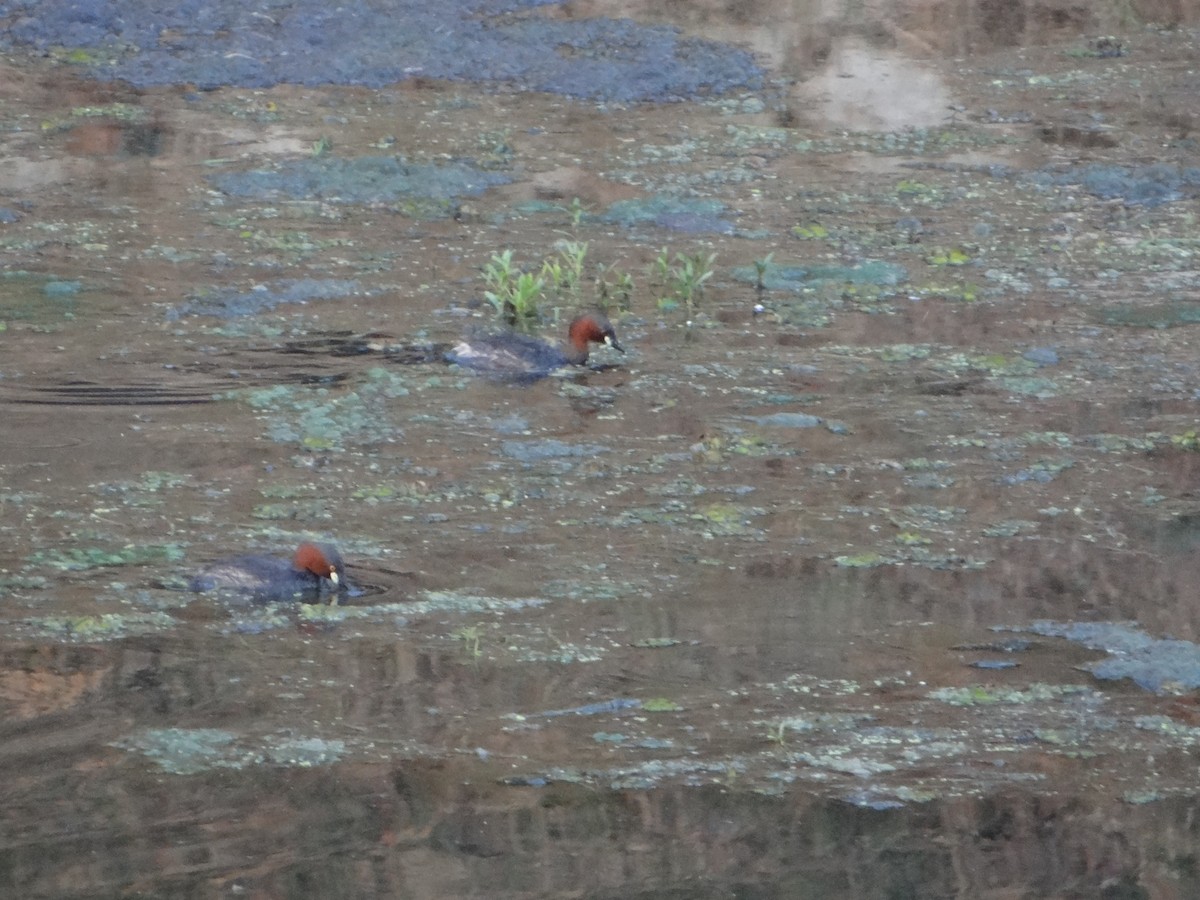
(751,610)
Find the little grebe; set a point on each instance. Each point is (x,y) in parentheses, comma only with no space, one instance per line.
(315,572)
(523,357)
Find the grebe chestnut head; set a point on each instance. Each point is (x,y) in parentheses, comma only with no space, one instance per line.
(314,572)
(522,357)
(590,328)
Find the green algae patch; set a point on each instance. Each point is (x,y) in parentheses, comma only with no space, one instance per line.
(813,232)
(845,763)
(726,518)
(1188,440)
(809,312)
(328,419)
(190,751)
(868,560)
(422,189)
(800,276)
(1042,388)
(917,517)
(128,113)
(1125,443)
(956,293)
(955,256)
(95,628)
(428,603)
(660,705)
(312,510)
(1010,528)
(910,142)
(713,519)
(688,214)
(184,751)
(1158,315)
(304,753)
(904,352)
(78,559)
(149,489)
(83,56)
(910,190)
(995,364)
(10,583)
(43,302)
(979,695)
(563,653)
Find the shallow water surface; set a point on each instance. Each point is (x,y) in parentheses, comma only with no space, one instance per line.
(867,571)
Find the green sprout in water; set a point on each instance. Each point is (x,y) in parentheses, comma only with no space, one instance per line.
(662,267)
(321,146)
(573,254)
(564,273)
(688,276)
(760,272)
(778,734)
(470,635)
(512,293)
(577,212)
(614,294)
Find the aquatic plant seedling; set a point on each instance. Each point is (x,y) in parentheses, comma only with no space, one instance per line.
(688,276)
(525,294)
(760,270)
(661,268)
(617,294)
(513,294)
(573,254)
(470,635)
(499,272)
(577,212)
(564,273)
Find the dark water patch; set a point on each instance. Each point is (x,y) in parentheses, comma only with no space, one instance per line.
(368,179)
(619,704)
(1042,356)
(348,343)
(117,139)
(87,393)
(993,664)
(263,297)
(225,42)
(542,450)
(1135,185)
(1151,315)
(788,420)
(1159,665)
